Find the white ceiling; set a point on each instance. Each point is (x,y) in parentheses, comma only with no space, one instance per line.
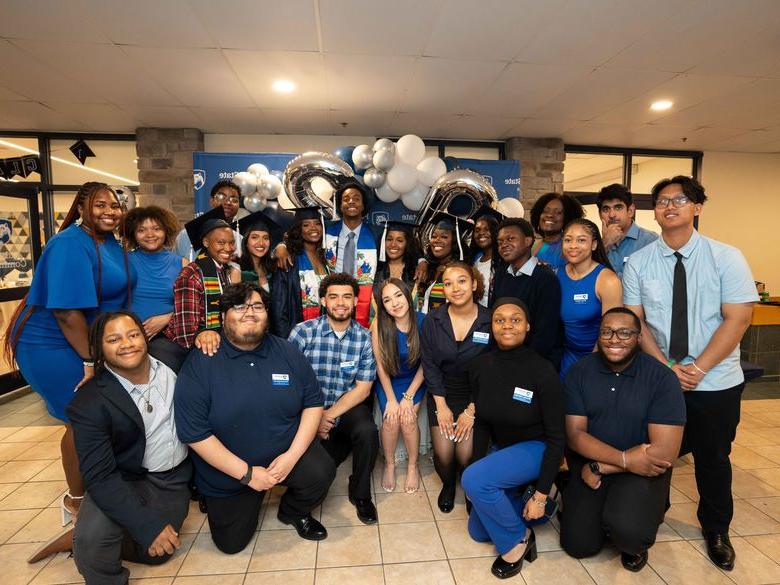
(584,70)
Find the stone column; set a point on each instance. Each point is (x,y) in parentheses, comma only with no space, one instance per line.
(541,166)
(165,168)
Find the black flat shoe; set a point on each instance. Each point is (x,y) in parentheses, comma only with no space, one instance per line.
(307,527)
(366,511)
(504,569)
(447,499)
(634,563)
(719,550)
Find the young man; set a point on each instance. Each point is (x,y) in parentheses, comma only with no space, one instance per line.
(522,276)
(136,472)
(250,413)
(624,423)
(695,297)
(622,236)
(224,194)
(340,351)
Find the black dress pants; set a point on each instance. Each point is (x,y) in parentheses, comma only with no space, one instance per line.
(355,433)
(712,419)
(627,508)
(233,519)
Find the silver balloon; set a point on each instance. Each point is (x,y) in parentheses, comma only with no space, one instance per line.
(125,195)
(384,144)
(302,169)
(269,186)
(374,178)
(361,156)
(254,202)
(384,159)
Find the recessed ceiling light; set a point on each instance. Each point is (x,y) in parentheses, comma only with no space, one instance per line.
(284,86)
(661,105)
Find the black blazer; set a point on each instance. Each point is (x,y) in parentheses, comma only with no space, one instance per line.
(110,443)
(286,305)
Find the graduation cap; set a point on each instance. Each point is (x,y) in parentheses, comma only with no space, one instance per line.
(81,151)
(261,222)
(394,226)
(311,212)
(203,224)
(487,211)
(446,221)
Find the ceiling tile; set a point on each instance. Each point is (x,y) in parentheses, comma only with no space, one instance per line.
(423,125)
(49,20)
(34,116)
(363,82)
(361,123)
(233,120)
(98,117)
(753,141)
(8,95)
(481,127)
(163,116)
(261,26)
(298,121)
(532,128)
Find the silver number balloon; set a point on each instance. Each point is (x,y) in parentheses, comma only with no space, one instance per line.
(300,172)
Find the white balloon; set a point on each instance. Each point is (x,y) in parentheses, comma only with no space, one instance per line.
(386,194)
(257,169)
(384,144)
(254,202)
(430,169)
(511,207)
(247,182)
(322,188)
(415,198)
(402,178)
(411,149)
(269,186)
(374,178)
(384,159)
(362,155)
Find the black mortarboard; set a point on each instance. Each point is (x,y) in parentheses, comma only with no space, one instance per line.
(260,221)
(487,211)
(203,224)
(461,227)
(311,212)
(394,226)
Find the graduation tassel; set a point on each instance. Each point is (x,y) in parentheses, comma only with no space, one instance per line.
(457,235)
(382,253)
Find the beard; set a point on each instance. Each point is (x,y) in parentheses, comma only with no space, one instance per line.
(620,363)
(253,337)
(338,319)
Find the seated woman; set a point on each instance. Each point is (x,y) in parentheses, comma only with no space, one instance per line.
(452,336)
(400,388)
(295,292)
(150,233)
(446,244)
(484,247)
(259,234)
(550,213)
(520,412)
(587,290)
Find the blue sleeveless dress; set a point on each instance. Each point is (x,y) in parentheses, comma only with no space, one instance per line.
(405,375)
(153,292)
(580,314)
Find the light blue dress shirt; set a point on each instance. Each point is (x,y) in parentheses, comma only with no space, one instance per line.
(716,274)
(343,235)
(635,239)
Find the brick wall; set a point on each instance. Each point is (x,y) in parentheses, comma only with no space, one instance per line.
(541,166)
(165,167)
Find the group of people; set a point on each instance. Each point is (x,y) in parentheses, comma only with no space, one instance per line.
(548,357)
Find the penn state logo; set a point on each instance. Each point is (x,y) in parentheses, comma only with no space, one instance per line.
(380,217)
(199,178)
(5,231)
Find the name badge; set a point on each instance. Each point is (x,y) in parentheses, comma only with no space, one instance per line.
(480,337)
(280,379)
(523,395)
(581,298)
(348,365)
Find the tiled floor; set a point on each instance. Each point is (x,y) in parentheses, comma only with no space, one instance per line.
(413,543)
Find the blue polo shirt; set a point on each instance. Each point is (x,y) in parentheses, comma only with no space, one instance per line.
(635,239)
(250,400)
(620,405)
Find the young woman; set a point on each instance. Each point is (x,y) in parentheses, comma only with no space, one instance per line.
(443,247)
(295,292)
(589,288)
(549,214)
(400,388)
(518,439)
(150,233)
(484,248)
(83,271)
(452,336)
(256,266)
(399,254)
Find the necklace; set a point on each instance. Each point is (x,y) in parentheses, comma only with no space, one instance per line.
(146,395)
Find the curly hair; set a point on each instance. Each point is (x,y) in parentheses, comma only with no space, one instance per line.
(163,217)
(293,239)
(239,293)
(476,276)
(337,279)
(571,209)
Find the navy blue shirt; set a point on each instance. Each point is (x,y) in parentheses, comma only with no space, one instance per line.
(620,405)
(250,400)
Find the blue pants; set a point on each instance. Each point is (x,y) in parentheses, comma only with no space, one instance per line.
(492,486)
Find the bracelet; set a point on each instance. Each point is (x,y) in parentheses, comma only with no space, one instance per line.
(623,454)
(540,503)
(471,416)
(670,363)
(407,397)
(702,372)
(88,363)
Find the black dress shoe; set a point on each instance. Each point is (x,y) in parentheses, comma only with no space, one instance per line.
(366,511)
(447,498)
(504,569)
(719,550)
(634,563)
(307,527)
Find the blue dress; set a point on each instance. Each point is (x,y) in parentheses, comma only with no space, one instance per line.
(153,292)
(552,255)
(580,314)
(405,374)
(66,278)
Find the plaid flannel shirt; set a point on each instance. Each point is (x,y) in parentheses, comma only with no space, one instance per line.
(338,363)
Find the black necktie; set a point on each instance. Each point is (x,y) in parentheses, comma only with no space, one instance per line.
(678,338)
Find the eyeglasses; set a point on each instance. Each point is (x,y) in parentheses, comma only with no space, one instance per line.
(256,308)
(676,202)
(222,197)
(622,334)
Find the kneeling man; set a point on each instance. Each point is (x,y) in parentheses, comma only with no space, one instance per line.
(625,415)
(136,472)
(250,413)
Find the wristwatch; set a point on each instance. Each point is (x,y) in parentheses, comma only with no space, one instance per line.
(594,467)
(247,476)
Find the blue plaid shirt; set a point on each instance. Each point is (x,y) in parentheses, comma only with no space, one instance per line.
(338,363)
